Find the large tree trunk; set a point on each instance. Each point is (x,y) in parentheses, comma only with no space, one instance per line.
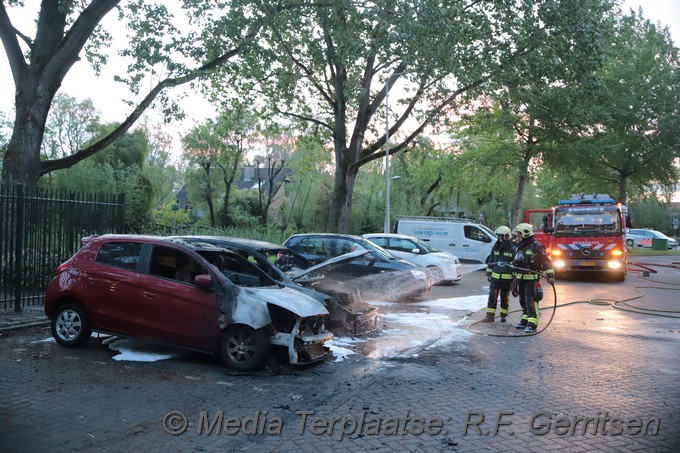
(20,162)
(341,209)
(517,214)
(623,189)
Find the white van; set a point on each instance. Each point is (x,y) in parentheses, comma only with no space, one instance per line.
(467,240)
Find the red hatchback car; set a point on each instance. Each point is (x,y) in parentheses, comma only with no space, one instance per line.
(152,289)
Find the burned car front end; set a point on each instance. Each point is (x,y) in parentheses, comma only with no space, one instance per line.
(290,319)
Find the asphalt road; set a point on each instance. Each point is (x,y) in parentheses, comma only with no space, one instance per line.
(598,378)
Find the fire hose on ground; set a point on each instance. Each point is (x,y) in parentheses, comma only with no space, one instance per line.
(623,304)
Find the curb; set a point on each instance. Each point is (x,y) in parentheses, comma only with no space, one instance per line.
(24,325)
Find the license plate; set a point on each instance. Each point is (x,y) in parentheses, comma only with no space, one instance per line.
(586,263)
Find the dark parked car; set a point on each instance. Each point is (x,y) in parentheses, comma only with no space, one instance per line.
(377,273)
(153,289)
(347,311)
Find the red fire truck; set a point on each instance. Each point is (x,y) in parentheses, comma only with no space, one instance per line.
(583,234)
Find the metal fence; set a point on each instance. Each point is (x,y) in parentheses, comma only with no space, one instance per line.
(40,229)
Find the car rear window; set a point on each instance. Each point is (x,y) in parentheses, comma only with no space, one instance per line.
(120,254)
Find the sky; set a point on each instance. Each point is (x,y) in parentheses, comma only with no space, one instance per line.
(107,95)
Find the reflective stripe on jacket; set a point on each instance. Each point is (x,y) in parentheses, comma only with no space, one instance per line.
(531,256)
(502,252)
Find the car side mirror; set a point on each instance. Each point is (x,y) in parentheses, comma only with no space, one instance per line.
(416,251)
(203,281)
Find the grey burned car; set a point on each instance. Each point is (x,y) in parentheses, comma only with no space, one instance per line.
(348,312)
(202,298)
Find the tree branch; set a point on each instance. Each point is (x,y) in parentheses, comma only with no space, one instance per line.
(69,161)
(8,36)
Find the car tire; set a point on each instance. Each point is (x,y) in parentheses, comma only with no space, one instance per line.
(243,348)
(70,326)
(630,242)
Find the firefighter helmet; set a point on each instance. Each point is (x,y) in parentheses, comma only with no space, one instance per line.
(503,233)
(524,229)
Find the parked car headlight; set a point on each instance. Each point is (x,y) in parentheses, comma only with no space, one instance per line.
(419,274)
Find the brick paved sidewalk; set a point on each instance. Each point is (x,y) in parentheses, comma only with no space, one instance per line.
(27,317)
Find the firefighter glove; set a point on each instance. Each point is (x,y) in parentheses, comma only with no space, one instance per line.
(551,280)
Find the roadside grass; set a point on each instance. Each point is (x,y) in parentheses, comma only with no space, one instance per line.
(643,251)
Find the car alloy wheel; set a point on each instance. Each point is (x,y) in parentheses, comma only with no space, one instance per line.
(70,327)
(243,348)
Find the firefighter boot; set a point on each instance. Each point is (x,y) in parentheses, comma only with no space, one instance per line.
(523,323)
(489,317)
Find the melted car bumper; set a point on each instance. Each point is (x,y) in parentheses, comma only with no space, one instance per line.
(305,346)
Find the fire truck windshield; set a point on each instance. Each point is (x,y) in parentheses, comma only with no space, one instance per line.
(587,220)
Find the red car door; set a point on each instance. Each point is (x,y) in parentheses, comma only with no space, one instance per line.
(110,284)
(170,308)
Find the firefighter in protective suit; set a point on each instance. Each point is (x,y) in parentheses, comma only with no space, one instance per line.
(499,273)
(530,260)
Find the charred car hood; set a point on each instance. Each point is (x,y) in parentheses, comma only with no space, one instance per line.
(329,265)
(291,299)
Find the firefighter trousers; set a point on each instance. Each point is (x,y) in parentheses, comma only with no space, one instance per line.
(525,288)
(499,288)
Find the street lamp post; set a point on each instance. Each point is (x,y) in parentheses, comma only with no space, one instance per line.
(387,152)
(387,157)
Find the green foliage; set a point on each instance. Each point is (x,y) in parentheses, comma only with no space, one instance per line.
(329,67)
(627,133)
(269,233)
(553,105)
(93,177)
(70,125)
(310,186)
(214,151)
(117,169)
(167,218)
(131,150)
(159,169)
(650,213)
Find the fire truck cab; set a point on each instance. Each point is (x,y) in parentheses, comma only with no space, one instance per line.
(584,234)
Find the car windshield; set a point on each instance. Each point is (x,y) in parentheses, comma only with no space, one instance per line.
(375,249)
(591,220)
(424,246)
(488,230)
(237,269)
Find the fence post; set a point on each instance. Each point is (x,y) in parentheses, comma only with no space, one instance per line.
(18,248)
(121,213)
